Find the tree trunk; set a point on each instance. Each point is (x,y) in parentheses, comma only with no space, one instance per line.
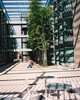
(40,57)
(45,57)
(44,52)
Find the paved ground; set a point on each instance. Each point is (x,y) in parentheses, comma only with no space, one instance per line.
(13,81)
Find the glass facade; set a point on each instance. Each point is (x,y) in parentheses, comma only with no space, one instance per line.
(63,31)
(3,34)
(17,37)
(5,41)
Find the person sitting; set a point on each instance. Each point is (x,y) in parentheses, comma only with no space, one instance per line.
(30,64)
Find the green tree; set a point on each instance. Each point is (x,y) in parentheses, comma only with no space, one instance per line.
(46,26)
(39,26)
(33,28)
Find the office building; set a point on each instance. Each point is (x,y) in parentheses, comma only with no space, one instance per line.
(16,30)
(76,30)
(63,31)
(5,57)
(17,10)
(3,34)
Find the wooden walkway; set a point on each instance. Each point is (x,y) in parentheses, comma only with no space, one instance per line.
(14,82)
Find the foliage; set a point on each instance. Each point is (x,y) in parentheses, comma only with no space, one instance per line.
(39,26)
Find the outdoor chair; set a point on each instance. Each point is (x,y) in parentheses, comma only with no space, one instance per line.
(74,93)
(45,80)
(70,65)
(50,94)
(64,65)
(32,94)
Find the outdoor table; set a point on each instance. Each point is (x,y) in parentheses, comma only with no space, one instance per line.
(42,77)
(45,78)
(11,98)
(59,87)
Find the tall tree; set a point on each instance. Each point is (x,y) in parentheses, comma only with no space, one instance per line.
(33,26)
(39,26)
(46,26)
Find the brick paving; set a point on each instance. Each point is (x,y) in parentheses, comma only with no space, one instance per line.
(14,82)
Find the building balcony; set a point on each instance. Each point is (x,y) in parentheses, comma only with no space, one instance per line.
(60,29)
(70,38)
(64,25)
(66,1)
(17,23)
(57,55)
(67,9)
(69,54)
(55,27)
(61,42)
(61,55)
(17,36)
(51,46)
(69,30)
(55,32)
(52,1)
(56,21)
(57,60)
(69,17)
(56,43)
(60,16)
(18,50)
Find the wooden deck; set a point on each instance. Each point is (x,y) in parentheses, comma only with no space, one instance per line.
(14,82)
